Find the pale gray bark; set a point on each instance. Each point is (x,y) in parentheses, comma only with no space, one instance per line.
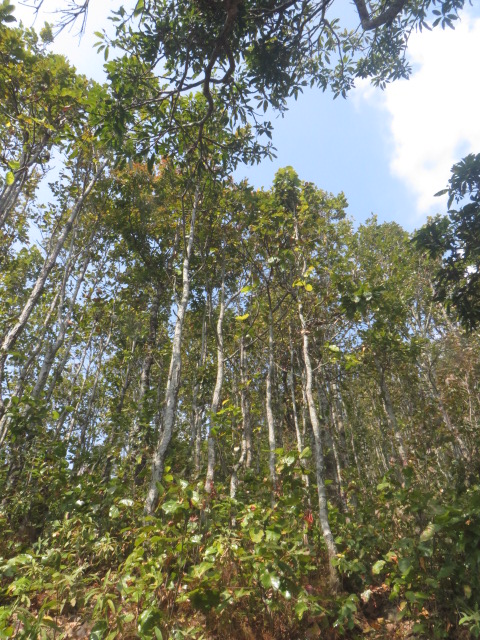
(13,334)
(73,381)
(136,433)
(173,381)
(245,457)
(91,400)
(112,436)
(390,412)
(11,192)
(52,348)
(63,325)
(339,422)
(209,480)
(298,433)
(197,392)
(330,436)
(269,408)
(460,447)
(245,406)
(319,460)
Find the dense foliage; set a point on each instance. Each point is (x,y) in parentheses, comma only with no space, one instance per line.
(224,412)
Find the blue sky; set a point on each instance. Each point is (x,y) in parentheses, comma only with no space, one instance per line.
(390,151)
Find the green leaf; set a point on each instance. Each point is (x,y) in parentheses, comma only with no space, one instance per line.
(301,608)
(428,532)
(241,318)
(202,568)
(9,178)
(256,535)
(114,512)
(139,7)
(147,621)
(306,453)
(266,580)
(98,631)
(272,536)
(378,567)
(405,565)
(171,507)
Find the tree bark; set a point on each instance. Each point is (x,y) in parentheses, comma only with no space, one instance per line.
(14,333)
(197,391)
(173,381)
(209,480)
(319,460)
(245,406)
(390,412)
(269,409)
(136,433)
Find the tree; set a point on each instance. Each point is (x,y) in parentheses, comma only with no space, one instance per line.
(247,56)
(456,239)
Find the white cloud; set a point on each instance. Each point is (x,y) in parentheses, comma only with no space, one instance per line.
(434,116)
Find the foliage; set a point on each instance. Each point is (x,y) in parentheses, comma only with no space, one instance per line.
(142,290)
(456,238)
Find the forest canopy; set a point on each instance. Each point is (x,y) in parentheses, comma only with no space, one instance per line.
(226,412)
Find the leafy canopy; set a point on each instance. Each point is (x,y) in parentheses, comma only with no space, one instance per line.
(456,238)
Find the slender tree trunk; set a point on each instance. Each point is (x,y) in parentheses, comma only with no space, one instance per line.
(245,457)
(245,406)
(339,422)
(269,409)
(60,367)
(460,446)
(138,423)
(73,381)
(173,381)
(13,334)
(10,193)
(64,322)
(51,350)
(298,433)
(217,390)
(319,460)
(197,392)
(91,402)
(112,436)
(330,433)
(390,412)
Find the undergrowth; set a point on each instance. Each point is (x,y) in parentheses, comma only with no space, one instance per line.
(408,558)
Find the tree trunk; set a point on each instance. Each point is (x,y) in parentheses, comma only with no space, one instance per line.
(11,192)
(298,433)
(13,334)
(460,446)
(138,423)
(112,437)
(173,381)
(197,391)
(64,322)
(209,480)
(319,460)
(245,406)
(390,412)
(269,410)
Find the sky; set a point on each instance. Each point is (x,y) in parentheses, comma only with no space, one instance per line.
(389,151)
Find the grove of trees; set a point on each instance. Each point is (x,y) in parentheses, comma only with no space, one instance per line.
(226,412)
